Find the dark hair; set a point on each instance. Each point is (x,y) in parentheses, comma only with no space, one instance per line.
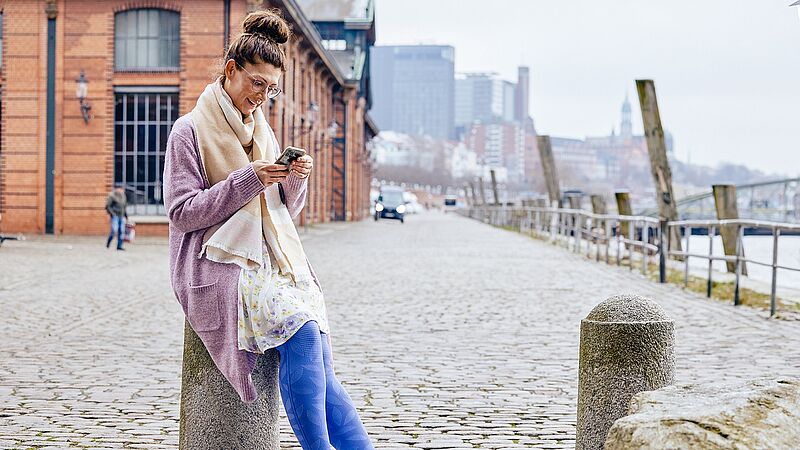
(263,32)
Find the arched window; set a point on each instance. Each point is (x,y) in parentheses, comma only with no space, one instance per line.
(147,39)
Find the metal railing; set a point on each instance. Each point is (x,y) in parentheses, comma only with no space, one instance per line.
(712,227)
(641,238)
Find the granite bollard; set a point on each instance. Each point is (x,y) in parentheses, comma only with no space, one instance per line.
(626,347)
(213,416)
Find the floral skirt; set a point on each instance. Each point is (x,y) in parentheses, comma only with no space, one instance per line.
(272,307)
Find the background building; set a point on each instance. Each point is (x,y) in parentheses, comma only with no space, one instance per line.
(347,32)
(522,95)
(145,63)
(413,89)
(493,121)
(482,97)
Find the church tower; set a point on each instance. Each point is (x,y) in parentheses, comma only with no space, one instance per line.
(626,127)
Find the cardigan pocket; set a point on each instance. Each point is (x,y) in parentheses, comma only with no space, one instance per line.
(203,307)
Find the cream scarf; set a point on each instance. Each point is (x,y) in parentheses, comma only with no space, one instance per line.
(222,135)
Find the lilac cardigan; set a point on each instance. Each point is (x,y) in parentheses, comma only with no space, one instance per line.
(206,290)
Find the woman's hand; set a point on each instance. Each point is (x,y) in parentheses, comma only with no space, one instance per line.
(270,173)
(302,166)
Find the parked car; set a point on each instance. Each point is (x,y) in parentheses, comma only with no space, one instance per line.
(450,203)
(412,203)
(390,204)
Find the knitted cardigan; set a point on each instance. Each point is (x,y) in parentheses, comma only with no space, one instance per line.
(207,291)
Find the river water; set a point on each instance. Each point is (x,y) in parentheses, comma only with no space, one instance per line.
(758,248)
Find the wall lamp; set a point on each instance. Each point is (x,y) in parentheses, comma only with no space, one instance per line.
(81,92)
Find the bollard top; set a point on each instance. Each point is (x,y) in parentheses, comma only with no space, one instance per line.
(628,308)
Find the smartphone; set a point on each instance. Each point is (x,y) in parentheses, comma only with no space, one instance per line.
(289,155)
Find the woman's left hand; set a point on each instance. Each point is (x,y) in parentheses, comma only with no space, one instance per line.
(301,166)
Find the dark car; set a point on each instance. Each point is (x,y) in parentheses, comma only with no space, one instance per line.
(390,204)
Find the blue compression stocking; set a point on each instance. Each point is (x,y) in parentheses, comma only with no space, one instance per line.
(320,411)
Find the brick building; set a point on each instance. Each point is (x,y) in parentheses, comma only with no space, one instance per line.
(145,62)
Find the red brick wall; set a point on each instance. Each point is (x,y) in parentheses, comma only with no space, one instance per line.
(22,154)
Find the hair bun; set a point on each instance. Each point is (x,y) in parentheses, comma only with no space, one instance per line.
(268,24)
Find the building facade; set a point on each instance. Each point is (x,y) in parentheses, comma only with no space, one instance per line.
(493,121)
(507,145)
(413,88)
(486,98)
(482,97)
(522,94)
(143,63)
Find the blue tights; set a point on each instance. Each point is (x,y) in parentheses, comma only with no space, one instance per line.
(320,411)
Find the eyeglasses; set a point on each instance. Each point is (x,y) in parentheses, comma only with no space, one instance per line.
(260,85)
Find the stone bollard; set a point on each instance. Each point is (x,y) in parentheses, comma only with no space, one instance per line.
(213,416)
(626,347)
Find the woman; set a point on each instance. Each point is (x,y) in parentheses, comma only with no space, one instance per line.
(238,267)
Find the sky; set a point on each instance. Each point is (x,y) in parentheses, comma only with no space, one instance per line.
(727,73)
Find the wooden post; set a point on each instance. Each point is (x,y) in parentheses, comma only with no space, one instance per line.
(474,196)
(659,164)
(599,207)
(483,191)
(725,202)
(623,209)
(574,201)
(494,187)
(549,169)
(599,204)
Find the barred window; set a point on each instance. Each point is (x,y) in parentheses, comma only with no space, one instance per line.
(143,118)
(147,39)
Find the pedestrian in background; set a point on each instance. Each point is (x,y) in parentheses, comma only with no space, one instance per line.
(116,205)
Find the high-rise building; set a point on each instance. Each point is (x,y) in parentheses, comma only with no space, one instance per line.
(492,116)
(413,89)
(483,97)
(522,94)
(508,144)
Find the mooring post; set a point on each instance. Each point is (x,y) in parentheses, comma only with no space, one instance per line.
(725,203)
(657,150)
(494,188)
(482,190)
(549,169)
(623,209)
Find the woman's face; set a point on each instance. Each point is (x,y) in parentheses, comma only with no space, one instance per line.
(247,86)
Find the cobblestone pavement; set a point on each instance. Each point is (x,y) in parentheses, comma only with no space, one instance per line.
(446,332)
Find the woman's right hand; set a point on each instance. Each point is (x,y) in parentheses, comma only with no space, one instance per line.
(270,173)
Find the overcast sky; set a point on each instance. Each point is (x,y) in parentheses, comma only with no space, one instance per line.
(727,73)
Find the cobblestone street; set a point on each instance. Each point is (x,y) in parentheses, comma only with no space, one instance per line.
(447,333)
